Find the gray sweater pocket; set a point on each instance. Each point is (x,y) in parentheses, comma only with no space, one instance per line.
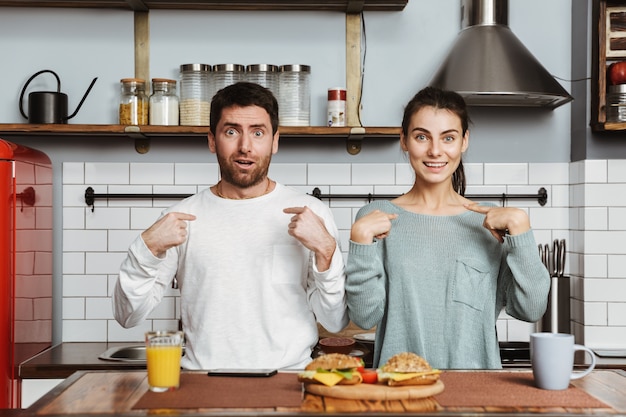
(471,283)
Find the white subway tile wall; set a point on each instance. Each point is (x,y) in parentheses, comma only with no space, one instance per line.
(506,174)
(586,206)
(597,252)
(616,171)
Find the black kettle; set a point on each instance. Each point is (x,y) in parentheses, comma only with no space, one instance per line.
(49,106)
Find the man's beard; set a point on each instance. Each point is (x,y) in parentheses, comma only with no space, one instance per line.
(232,175)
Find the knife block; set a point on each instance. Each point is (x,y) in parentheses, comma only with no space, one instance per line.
(562,309)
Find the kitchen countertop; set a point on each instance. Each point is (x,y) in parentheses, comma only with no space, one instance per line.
(64,359)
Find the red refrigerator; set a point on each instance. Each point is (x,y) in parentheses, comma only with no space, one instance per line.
(25,262)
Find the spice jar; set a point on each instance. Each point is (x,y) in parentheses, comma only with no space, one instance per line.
(195,94)
(164,102)
(133,102)
(265,75)
(336,106)
(294,93)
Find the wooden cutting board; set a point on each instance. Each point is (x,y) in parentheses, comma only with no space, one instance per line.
(378,392)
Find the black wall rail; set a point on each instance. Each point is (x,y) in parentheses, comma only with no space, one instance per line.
(541,196)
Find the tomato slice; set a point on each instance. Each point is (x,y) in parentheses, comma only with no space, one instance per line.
(369,376)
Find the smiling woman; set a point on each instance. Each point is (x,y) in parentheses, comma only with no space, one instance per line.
(430,267)
(435,144)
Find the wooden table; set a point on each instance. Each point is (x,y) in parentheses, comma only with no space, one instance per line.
(115,393)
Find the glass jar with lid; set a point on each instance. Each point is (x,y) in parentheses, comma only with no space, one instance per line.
(265,75)
(227,74)
(195,94)
(164,103)
(133,109)
(294,95)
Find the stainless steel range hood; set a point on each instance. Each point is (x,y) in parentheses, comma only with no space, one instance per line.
(489,66)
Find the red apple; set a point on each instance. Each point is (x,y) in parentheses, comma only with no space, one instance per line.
(617,73)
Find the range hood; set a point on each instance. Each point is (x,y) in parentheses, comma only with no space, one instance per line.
(489,66)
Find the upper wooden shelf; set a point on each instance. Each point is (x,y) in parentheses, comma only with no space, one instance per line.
(142,134)
(182,131)
(349,6)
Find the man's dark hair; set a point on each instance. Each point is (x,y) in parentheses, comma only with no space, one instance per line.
(244,94)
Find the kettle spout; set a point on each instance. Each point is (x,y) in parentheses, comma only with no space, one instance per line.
(83,99)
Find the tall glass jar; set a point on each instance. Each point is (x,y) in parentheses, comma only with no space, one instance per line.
(195,94)
(164,103)
(265,75)
(133,108)
(294,95)
(227,74)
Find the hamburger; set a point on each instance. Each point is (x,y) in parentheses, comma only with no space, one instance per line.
(407,368)
(332,369)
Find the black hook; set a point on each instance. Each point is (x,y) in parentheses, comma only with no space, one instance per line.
(89,198)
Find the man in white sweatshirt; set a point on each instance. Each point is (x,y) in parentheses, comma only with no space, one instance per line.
(258,264)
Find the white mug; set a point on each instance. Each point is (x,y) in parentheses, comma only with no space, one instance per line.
(552,359)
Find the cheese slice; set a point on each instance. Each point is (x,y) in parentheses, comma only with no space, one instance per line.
(327,378)
(403,376)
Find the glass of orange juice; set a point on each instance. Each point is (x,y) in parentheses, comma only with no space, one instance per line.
(163,353)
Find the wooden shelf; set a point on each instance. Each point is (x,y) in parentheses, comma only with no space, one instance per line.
(612,126)
(183,131)
(143,134)
(602,57)
(346,6)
